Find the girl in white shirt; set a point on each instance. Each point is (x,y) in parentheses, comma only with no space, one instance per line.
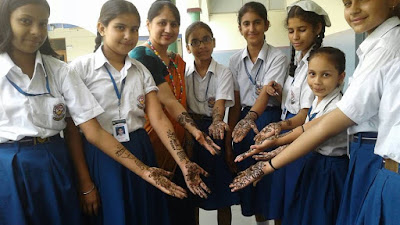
(36,92)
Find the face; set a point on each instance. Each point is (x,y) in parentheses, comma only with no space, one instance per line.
(120,131)
(366,15)
(29,28)
(164,28)
(204,50)
(252,27)
(322,76)
(302,34)
(121,35)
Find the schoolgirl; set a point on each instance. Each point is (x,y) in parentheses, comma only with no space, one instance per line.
(253,68)
(37,90)
(126,90)
(209,90)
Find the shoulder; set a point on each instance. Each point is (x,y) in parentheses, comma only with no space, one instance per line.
(276,52)
(235,59)
(221,69)
(55,66)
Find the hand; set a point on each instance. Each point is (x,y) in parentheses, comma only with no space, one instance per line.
(90,203)
(272,129)
(259,146)
(274,89)
(265,156)
(206,142)
(192,172)
(229,158)
(217,129)
(252,174)
(159,178)
(243,127)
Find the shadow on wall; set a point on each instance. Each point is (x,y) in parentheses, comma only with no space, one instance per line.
(344,41)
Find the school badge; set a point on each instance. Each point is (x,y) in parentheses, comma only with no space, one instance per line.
(211,102)
(140,104)
(59,111)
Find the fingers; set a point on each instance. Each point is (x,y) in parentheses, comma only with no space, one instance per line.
(246,154)
(176,191)
(254,127)
(263,156)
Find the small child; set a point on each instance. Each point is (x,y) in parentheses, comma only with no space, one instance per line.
(209,91)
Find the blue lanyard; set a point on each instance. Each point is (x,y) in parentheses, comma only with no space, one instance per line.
(119,94)
(311,116)
(30,94)
(248,74)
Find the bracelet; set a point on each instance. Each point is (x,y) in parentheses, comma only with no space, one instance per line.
(88,192)
(302,128)
(255,113)
(270,163)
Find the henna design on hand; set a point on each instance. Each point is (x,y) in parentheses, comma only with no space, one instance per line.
(184,118)
(122,152)
(248,176)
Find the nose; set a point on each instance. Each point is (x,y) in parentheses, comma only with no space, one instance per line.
(296,35)
(37,29)
(354,8)
(317,80)
(168,28)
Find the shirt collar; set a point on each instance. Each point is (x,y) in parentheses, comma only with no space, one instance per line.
(378,33)
(211,68)
(304,60)
(261,55)
(321,106)
(8,64)
(100,59)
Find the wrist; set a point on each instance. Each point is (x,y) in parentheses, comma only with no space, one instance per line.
(253,115)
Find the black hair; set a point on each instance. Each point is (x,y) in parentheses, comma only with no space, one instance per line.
(335,56)
(255,7)
(314,20)
(112,9)
(6,35)
(159,5)
(194,26)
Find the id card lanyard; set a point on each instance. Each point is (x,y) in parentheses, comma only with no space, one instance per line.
(119,94)
(249,75)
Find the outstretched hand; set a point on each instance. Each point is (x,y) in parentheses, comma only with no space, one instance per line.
(206,142)
(217,129)
(243,127)
(265,156)
(193,180)
(272,129)
(160,179)
(252,174)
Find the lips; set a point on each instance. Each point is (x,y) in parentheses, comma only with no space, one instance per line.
(357,20)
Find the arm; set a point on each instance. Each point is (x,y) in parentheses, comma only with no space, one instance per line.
(177,111)
(332,124)
(91,201)
(218,127)
(165,131)
(100,138)
(233,118)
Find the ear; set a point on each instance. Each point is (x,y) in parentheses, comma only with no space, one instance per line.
(267,24)
(214,41)
(188,49)
(341,78)
(100,29)
(148,25)
(240,29)
(319,28)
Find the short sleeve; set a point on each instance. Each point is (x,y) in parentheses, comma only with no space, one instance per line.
(225,87)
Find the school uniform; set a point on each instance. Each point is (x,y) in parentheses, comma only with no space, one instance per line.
(318,189)
(296,95)
(201,95)
(373,96)
(249,78)
(375,51)
(36,184)
(125,197)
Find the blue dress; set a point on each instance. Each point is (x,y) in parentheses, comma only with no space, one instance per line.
(126,199)
(264,199)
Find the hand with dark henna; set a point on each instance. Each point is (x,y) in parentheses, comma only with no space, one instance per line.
(266,132)
(192,173)
(265,156)
(252,174)
(243,127)
(217,129)
(257,148)
(160,179)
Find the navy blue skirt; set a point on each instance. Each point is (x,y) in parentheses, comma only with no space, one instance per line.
(363,167)
(381,204)
(36,186)
(220,175)
(266,198)
(125,197)
(318,191)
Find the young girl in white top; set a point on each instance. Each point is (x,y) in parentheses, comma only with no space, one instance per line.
(209,89)
(253,68)
(126,91)
(36,92)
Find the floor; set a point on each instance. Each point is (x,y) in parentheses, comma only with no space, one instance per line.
(210,217)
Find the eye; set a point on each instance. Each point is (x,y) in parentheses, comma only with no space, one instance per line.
(43,24)
(26,21)
(302,29)
(162,23)
(135,29)
(326,75)
(311,73)
(246,23)
(290,31)
(120,27)
(347,4)
(174,24)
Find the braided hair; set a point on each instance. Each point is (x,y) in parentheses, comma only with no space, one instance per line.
(309,17)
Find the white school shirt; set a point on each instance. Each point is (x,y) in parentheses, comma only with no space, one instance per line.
(41,116)
(296,93)
(381,46)
(336,145)
(138,83)
(378,94)
(274,67)
(217,84)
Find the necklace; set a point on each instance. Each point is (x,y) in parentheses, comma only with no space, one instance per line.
(171,77)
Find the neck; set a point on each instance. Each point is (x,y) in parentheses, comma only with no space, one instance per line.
(25,61)
(254,50)
(319,99)
(202,66)
(161,49)
(116,60)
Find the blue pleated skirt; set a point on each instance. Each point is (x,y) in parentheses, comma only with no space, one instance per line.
(126,199)
(36,186)
(220,175)
(318,191)
(381,204)
(363,167)
(266,198)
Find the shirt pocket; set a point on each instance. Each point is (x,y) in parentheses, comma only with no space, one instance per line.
(48,112)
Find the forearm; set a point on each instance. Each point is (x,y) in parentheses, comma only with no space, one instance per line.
(261,102)
(233,118)
(218,111)
(295,121)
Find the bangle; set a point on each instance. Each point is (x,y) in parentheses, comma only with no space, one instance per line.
(302,128)
(270,163)
(88,192)
(255,113)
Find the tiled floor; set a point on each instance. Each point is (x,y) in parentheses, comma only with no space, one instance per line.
(210,217)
